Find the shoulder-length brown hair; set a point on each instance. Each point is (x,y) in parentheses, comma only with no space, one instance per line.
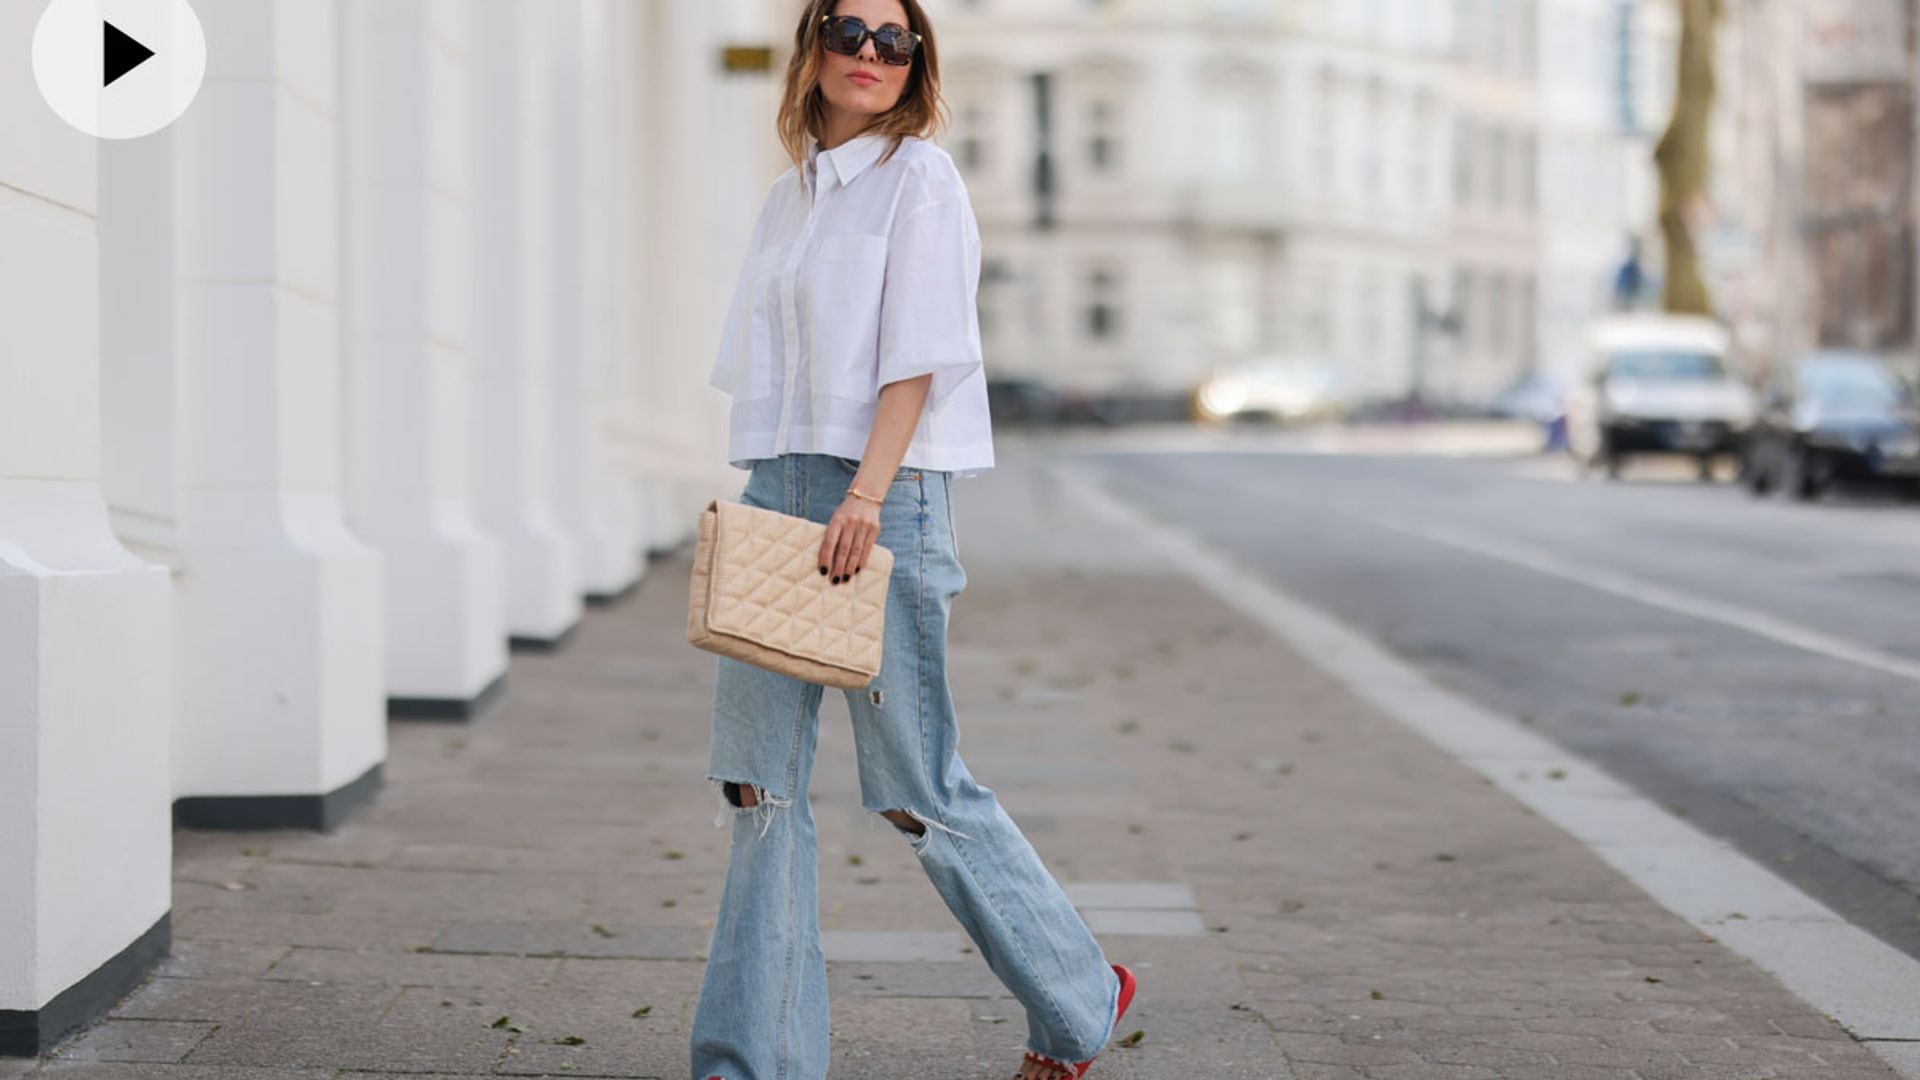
(803,108)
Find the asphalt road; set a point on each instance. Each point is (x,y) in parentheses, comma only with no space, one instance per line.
(1752,665)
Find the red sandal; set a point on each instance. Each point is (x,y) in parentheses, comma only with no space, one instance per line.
(1077,1070)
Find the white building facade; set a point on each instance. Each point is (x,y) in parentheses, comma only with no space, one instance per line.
(388,353)
(1230,179)
(1431,196)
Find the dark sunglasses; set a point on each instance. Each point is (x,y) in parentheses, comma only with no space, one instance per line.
(845,34)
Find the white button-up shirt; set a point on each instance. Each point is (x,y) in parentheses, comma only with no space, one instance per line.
(858,273)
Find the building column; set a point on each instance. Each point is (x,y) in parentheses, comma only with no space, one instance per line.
(85,627)
(282,690)
(612,528)
(512,440)
(405,362)
(703,182)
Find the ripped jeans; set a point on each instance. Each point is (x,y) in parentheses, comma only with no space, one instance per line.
(762,1013)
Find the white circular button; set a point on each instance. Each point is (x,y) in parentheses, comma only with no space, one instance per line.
(119,69)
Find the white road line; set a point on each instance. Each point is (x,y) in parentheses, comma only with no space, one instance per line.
(1757,623)
(1870,988)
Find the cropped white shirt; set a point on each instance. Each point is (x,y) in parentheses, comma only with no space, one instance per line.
(858,273)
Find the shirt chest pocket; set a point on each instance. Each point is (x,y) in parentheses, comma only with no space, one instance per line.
(842,284)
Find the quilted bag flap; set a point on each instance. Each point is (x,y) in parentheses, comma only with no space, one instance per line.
(767,587)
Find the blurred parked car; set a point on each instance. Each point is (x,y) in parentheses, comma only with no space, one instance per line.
(1289,391)
(1657,384)
(1835,418)
(1022,399)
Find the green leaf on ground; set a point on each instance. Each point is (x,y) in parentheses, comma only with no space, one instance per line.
(642,1011)
(1131,1040)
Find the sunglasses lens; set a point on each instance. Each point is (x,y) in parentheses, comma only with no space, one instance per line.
(844,35)
(894,46)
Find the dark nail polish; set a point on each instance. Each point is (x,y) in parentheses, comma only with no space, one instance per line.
(823,571)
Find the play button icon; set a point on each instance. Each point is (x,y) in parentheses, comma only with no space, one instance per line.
(119,69)
(122,54)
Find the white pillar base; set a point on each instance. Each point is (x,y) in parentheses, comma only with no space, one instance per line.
(445,607)
(85,682)
(282,680)
(612,548)
(543,598)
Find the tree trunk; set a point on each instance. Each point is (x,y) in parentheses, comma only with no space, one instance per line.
(1682,158)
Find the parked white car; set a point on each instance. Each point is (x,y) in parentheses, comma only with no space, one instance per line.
(1657,384)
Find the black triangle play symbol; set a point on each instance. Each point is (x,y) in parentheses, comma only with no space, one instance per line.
(123,54)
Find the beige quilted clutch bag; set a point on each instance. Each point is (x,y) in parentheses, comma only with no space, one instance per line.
(758,596)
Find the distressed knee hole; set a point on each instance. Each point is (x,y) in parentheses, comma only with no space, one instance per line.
(745,800)
(877,697)
(905,821)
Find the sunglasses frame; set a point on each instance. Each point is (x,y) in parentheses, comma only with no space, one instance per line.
(869,33)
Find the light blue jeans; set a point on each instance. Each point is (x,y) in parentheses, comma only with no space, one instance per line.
(762,1013)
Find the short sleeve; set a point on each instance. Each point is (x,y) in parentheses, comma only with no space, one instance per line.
(929,321)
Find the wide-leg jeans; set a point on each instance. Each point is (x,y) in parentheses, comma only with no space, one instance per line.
(763,1012)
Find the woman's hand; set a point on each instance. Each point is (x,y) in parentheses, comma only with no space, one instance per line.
(851,533)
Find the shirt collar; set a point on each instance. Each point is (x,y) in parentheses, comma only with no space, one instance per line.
(851,158)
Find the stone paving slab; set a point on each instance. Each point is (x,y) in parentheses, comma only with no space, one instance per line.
(970,980)
(1367,909)
(165,1041)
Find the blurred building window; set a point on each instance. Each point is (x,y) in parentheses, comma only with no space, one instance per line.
(1527,29)
(1420,153)
(1529,171)
(1528,303)
(1498,336)
(1325,120)
(1103,304)
(1234,120)
(1496,168)
(1103,137)
(1370,313)
(1464,299)
(994,276)
(1463,144)
(1371,136)
(973,139)
(1233,299)
(1313,298)
(1493,35)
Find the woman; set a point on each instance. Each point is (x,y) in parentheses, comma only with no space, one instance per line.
(852,354)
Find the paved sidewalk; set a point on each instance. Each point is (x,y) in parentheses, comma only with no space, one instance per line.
(1305,888)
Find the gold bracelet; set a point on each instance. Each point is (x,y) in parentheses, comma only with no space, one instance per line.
(858,494)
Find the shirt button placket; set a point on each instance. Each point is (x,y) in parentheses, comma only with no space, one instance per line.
(789,317)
